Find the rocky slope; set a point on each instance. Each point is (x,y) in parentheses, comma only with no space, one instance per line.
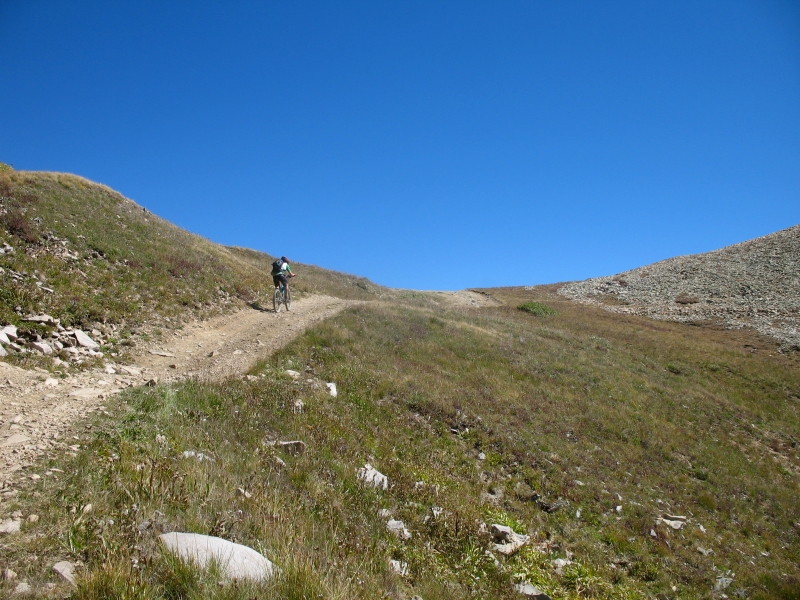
(754,283)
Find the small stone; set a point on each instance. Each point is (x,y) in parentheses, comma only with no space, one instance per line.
(33,519)
(559,564)
(243,492)
(42,347)
(371,476)
(384,513)
(10,526)
(722,583)
(66,569)
(16,440)
(84,340)
(295,447)
(23,587)
(398,528)
(332,389)
(8,575)
(507,541)
(44,319)
(531,591)
(481,456)
(199,456)
(401,568)
(298,406)
(51,382)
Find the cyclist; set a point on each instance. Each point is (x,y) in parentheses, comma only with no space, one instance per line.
(281,271)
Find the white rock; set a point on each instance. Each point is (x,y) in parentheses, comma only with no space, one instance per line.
(293,374)
(10,526)
(371,476)
(559,564)
(130,370)
(8,575)
(199,456)
(16,440)
(4,338)
(507,541)
(722,583)
(3,351)
(66,569)
(10,331)
(234,560)
(675,524)
(84,340)
(398,528)
(531,591)
(401,568)
(45,319)
(42,347)
(332,389)
(23,587)
(51,382)
(384,513)
(86,393)
(298,406)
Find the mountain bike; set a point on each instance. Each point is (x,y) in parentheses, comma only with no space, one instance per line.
(282,296)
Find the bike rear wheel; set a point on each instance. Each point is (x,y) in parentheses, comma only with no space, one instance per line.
(277,299)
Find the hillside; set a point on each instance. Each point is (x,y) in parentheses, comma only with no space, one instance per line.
(754,283)
(532,446)
(93,259)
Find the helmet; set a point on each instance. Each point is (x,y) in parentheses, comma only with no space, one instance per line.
(284,259)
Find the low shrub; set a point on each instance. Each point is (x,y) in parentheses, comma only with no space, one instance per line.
(537,308)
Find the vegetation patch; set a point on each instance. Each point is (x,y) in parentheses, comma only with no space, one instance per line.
(574,435)
(537,308)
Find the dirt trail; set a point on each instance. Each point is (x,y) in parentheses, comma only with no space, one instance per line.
(38,409)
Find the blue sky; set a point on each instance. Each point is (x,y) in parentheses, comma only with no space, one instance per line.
(427,145)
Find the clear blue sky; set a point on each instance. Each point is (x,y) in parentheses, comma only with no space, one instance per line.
(411,142)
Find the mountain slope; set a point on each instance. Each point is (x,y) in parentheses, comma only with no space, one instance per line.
(92,258)
(754,283)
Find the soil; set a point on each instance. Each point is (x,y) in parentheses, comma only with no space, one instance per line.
(38,409)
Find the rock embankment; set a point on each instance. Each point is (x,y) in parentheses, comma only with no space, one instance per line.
(754,283)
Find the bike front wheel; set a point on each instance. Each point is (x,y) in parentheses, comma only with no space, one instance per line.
(277,300)
(288,299)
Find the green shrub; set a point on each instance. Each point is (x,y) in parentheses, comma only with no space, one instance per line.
(537,308)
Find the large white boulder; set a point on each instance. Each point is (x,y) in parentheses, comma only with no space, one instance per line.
(234,560)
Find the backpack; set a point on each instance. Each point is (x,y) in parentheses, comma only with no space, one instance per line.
(276,267)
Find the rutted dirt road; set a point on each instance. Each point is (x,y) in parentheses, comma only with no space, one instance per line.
(37,409)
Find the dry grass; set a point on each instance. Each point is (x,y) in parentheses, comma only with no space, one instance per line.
(670,418)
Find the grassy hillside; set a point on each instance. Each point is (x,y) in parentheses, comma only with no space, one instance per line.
(578,427)
(86,255)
